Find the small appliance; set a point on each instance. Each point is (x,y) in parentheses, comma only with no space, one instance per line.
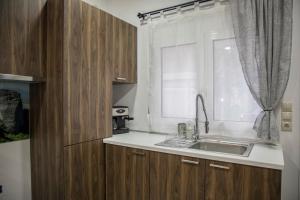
(119,115)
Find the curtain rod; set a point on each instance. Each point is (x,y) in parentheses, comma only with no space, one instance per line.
(143,15)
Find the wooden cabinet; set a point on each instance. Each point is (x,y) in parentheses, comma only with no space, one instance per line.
(22,37)
(223,181)
(127,173)
(140,174)
(175,177)
(71,111)
(84,171)
(234,182)
(87,87)
(124,52)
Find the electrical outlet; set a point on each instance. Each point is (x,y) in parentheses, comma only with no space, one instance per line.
(286,126)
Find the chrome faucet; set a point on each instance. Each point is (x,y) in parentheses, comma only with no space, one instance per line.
(196,132)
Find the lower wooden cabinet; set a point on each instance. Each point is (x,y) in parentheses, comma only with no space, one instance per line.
(175,177)
(84,171)
(134,174)
(127,173)
(235,182)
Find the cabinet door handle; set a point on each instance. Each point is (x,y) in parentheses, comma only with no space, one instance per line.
(121,79)
(138,153)
(190,162)
(219,166)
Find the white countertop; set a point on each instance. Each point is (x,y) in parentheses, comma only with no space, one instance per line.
(267,156)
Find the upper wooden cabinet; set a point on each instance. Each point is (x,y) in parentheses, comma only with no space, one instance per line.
(124,54)
(229,181)
(127,173)
(22,37)
(87,86)
(175,177)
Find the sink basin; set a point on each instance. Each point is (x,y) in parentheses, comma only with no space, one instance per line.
(228,146)
(235,148)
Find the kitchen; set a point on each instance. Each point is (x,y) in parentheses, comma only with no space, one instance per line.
(93,55)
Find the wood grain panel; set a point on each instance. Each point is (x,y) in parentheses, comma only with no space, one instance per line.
(124,52)
(241,182)
(74,104)
(84,171)
(87,86)
(116,48)
(6,49)
(127,173)
(73,77)
(132,56)
(46,114)
(107,87)
(172,179)
(23,37)
(222,183)
(123,49)
(261,183)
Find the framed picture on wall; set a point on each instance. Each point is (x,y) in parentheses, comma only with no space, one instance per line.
(14,111)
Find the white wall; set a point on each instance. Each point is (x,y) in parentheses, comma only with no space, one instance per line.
(136,96)
(291,141)
(15,176)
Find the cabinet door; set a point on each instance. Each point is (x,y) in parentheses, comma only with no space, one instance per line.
(175,177)
(87,75)
(22,37)
(132,54)
(223,181)
(124,52)
(84,171)
(235,182)
(127,173)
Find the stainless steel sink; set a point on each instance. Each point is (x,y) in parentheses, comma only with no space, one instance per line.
(227,147)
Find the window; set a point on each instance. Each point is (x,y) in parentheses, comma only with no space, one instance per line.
(232,98)
(197,54)
(179,81)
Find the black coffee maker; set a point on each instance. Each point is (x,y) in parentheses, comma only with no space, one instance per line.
(119,115)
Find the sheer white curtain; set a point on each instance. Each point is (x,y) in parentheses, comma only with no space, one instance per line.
(195,53)
(175,77)
(179,81)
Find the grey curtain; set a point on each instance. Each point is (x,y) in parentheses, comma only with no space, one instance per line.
(263,31)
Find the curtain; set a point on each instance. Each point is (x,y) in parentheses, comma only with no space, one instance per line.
(174,71)
(263,30)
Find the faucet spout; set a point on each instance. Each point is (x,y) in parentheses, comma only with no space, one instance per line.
(199,96)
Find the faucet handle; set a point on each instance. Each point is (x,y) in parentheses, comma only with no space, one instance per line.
(206,127)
